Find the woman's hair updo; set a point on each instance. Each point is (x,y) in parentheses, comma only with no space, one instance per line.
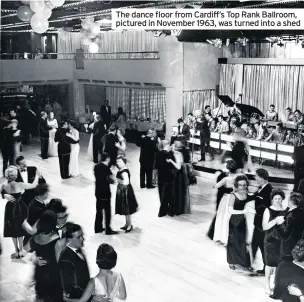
(106,257)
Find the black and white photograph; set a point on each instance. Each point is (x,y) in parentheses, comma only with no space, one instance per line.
(148,164)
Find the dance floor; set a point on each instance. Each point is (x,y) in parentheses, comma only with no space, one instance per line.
(163,259)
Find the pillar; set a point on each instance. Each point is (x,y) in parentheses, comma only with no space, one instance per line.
(238,88)
(76,99)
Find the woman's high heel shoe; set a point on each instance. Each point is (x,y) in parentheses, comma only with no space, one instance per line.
(124,227)
(128,230)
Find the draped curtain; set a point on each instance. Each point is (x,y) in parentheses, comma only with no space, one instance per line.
(113,45)
(142,103)
(282,86)
(118,97)
(198,99)
(227,80)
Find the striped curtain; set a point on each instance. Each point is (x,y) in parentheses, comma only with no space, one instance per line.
(113,45)
(282,86)
(198,99)
(118,97)
(227,80)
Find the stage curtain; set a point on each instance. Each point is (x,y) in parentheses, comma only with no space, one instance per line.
(118,97)
(113,45)
(157,105)
(198,99)
(282,86)
(227,80)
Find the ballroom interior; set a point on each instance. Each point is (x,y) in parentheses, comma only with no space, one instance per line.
(157,77)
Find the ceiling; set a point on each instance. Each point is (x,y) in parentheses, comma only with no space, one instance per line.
(71,13)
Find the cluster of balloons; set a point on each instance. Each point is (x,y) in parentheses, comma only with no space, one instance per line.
(38,12)
(90,31)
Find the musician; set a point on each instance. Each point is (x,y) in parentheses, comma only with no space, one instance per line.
(298,117)
(183,132)
(234,111)
(278,135)
(261,131)
(191,120)
(222,126)
(207,110)
(271,114)
(288,116)
(205,139)
(291,139)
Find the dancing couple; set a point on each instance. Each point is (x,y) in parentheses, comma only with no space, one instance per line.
(67,137)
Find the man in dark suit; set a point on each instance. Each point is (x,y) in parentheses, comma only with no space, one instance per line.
(44,135)
(110,147)
(64,149)
(105,113)
(183,132)
(262,201)
(148,147)
(73,265)
(27,175)
(103,179)
(204,129)
(3,123)
(99,132)
(165,177)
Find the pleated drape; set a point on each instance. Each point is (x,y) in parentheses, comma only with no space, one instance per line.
(142,103)
(198,99)
(227,80)
(113,45)
(282,86)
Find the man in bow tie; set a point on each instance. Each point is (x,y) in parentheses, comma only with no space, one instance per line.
(73,265)
(262,201)
(27,174)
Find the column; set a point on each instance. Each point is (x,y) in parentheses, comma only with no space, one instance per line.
(238,88)
(76,99)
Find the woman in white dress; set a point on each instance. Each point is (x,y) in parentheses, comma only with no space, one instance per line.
(106,286)
(52,122)
(74,161)
(90,147)
(121,144)
(221,228)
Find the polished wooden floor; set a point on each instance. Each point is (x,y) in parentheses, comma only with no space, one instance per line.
(164,259)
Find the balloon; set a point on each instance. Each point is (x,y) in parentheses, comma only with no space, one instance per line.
(93,48)
(57,3)
(24,13)
(95,28)
(97,40)
(46,13)
(39,24)
(85,25)
(89,20)
(26,2)
(37,6)
(86,41)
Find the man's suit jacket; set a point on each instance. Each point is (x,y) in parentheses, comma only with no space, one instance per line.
(204,129)
(184,131)
(99,132)
(74,273)
(147,152)
(110,147)
(44,128)
(106,114)
(64,141)
(262,201)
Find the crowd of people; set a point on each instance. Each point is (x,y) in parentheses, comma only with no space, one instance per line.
(41,227)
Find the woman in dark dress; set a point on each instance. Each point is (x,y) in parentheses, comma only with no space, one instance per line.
(237,251)
(126,203)
(272,240)
(15,209)
(46,245)
(180,203)
(290,275)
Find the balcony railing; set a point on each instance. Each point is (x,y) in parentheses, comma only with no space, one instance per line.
(151,55)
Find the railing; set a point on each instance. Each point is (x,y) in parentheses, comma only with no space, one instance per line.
(258,149)
(151,55)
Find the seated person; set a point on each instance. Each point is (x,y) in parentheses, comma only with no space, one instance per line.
(183,132)
(288,116)
(298,117)
(290,138)
(251,134)
(261,131)
(222,126)
(271,114)
(277,136)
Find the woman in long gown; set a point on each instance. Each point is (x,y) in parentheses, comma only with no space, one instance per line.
(121,144)
(221,228)
(46,245)
(272,240)
(15,209)
(180,203)
(121,121)
(52,122)
(90,147)
(106,285)
(126,203)
(237,247)
(74,157)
